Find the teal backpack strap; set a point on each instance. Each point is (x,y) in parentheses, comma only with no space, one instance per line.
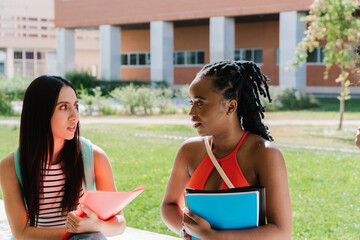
(18,173)
(17,166)
(88,159)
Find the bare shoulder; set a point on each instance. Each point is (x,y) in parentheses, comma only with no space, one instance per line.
(191,146)
(264,151)
(7,167)
(98,152)
(7,163)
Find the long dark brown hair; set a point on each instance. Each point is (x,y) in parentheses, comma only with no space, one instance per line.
(36,146)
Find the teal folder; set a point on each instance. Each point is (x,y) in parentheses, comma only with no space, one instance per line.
(226,209)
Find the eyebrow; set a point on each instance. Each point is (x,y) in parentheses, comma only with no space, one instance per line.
(200,97)
(66,102)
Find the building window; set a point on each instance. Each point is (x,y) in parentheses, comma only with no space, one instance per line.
(18,55)
(2,68)
(29,55)
(316,56)
(188,57)
(251,54)
(135,59)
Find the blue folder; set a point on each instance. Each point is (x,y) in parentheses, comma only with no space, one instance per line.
(226,209)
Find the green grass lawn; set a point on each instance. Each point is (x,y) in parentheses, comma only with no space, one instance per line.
(324,184)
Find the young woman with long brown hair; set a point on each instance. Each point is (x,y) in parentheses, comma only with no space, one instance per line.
(43,180)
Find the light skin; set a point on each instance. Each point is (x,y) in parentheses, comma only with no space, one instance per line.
(357,139)
(260,161)
(63,121)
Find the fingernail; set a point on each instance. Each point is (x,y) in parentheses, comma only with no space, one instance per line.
(186,210)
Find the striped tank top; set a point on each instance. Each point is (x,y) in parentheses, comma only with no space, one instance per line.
(50,201)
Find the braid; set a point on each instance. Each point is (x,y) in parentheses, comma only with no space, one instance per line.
(243,82)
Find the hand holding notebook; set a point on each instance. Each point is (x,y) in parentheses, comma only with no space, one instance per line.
(233,208)
(105,204)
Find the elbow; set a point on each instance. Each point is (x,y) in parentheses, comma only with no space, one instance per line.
(163,210)
(285,233)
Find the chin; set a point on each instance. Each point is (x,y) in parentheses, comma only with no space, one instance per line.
(70,137)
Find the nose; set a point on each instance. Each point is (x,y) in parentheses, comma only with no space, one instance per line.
(74,114)
(192,111)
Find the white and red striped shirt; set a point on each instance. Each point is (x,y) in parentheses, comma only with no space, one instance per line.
(50,202)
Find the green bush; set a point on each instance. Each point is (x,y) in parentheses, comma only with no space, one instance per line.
(289,99)
(163,100)
(14,89)
(128,97)
(81,80)
(108,86)
(94,103)
(5,105)
(292,99)
(146,98)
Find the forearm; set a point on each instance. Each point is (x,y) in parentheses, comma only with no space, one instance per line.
(30,233)
(114,226)
(172,216)
(268,232)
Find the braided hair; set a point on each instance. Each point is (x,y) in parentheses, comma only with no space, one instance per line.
(241,81)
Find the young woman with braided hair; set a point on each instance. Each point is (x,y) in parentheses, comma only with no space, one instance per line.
(226,106)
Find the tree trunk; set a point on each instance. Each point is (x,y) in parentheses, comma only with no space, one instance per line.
(342,98)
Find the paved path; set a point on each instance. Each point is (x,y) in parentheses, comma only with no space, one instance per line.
(186,121)
(129,234)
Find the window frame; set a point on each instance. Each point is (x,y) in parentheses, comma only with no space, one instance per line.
(137,59)
(241,52)
(187,56)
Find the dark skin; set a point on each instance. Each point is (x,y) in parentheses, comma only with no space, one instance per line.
(260,161)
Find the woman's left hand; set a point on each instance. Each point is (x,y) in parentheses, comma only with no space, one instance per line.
(196,226)
(89,223)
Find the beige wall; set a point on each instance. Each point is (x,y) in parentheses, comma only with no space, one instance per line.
(264,35)
(85,59)
(75,13)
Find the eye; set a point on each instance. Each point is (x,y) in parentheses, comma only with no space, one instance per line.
(63,107)
(199,103)
(76,106)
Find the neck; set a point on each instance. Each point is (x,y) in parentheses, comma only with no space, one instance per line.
(58,145)
(227,140)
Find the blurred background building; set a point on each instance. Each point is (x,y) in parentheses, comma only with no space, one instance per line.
(28,40)
(156,40)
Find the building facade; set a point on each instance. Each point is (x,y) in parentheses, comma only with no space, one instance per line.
(170,40)
(28,41)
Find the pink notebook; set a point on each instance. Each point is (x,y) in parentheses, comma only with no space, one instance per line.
(105,204)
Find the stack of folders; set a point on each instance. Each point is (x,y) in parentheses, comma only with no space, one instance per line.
(235,208)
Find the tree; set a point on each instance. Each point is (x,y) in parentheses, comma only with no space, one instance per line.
(332,22)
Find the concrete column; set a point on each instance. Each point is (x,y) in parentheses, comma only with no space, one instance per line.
(9,67)
(65,50)
(162,48)
(110,52)
(222,38)
(291,33)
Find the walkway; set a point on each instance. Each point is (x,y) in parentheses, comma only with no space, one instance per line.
(129,234)
(186,121)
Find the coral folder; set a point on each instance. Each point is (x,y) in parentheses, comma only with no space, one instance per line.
(105,204)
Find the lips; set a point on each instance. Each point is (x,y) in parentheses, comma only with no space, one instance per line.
(72,128)
(196,125)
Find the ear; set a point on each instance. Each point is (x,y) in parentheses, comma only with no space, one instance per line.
(231,106)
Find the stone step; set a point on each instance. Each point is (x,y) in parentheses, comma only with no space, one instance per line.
(129,234)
